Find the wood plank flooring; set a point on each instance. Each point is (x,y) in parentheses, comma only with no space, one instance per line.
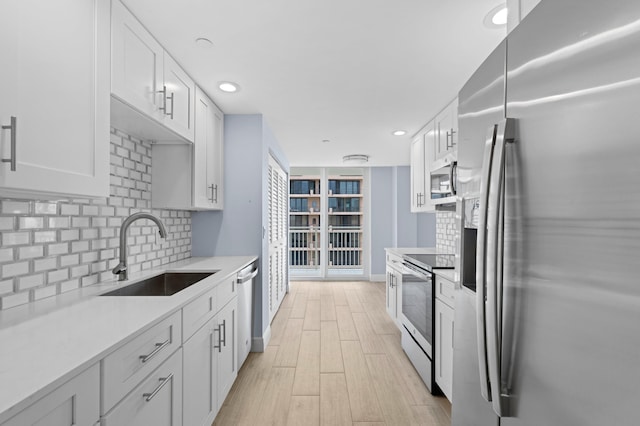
(334,359)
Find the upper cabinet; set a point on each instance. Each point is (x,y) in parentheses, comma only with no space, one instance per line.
(54,80)
(191,177)
(421,159)
(446,130)
(146,78)
(518,9)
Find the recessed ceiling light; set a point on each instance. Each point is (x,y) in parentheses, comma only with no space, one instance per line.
(497,17)
(204,43)
(355,158)
(228,86)
(399,133)
(325,141)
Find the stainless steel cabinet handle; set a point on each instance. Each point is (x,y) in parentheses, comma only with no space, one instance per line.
(219,346)
(163,108)
(216,193)
(163,381)
(211,187)
(13,127)
(495,223)
(224,338)
(159,346)
(171,97)
(481,263)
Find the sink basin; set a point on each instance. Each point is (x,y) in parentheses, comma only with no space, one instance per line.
(161,285)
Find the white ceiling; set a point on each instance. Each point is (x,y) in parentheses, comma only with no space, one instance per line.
(350,71)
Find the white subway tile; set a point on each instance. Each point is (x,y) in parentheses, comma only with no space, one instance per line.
(45,264)
(69,209)
(15,207)
(7,223)
(15,299)
(70,234)
(89,257)
(59,222)
(89,280)
(90,210)
(25,283)
(44,292)
(58,275)
(13,269)
(70,260)
(79,246)
(30,252)
(57,249)
(89,234)
(15,238)
(6,287)
(80,222)
(46,208)
(44,236)
(79,271)
(69,285)
(6,255)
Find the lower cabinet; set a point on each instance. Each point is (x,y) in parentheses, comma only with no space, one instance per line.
(210,366)
(394,288)
(444,347)
(77,402)
(156,401)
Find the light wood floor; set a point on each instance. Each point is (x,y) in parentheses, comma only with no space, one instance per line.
(334,359)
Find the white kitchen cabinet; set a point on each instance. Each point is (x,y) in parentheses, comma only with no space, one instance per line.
(154,97)
(227,333)
(191,177)
(394,287)
(446,131)
(201,376)
(156,401)
(76,402)
(54,81)
(444,314)
(421,159)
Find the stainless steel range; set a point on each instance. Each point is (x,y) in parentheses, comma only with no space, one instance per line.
(417,310)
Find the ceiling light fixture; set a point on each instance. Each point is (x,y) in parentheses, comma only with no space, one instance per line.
(399,133)
(325,141)
(355,158)
(228,86)
(204,43)
(497,17)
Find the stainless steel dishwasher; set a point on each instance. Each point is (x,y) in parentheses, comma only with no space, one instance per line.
(245,309)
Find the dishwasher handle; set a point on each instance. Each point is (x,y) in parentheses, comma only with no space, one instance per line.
(249,276)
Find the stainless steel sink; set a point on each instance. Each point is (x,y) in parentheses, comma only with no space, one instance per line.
(161,285)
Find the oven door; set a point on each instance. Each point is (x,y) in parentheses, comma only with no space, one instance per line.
(417,308)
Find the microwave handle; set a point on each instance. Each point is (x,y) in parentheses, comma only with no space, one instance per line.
(452,175)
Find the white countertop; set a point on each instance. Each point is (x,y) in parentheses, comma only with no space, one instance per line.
(46,343)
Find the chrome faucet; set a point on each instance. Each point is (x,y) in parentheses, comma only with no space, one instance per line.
(121,269)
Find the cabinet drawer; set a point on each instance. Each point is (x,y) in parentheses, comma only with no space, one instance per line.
(394,260)
(445,290)
(127,366)
(197,313)
(156,401)
(226,291)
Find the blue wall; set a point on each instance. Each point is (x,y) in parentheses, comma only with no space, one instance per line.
(392,223)
(237,230)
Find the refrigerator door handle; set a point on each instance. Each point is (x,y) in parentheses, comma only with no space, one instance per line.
(481,263)
(494,242)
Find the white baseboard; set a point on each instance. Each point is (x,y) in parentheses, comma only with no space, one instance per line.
(377,277)
(258,344)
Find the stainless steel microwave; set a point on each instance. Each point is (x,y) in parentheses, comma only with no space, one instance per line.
(443,181)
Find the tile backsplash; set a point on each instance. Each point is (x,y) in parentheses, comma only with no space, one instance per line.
(50,248)
(446,231)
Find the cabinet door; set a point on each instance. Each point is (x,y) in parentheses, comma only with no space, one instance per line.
(156,401)
(391,294)
(179,98)
(417,174)
(215,159)
(76,402)
(444,348)
(207,154)
(200,377)
(60,100)
(137,71)
(447,130)
(398,287)
(227,337)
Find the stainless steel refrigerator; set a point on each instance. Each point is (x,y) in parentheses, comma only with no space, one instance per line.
(547,325)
